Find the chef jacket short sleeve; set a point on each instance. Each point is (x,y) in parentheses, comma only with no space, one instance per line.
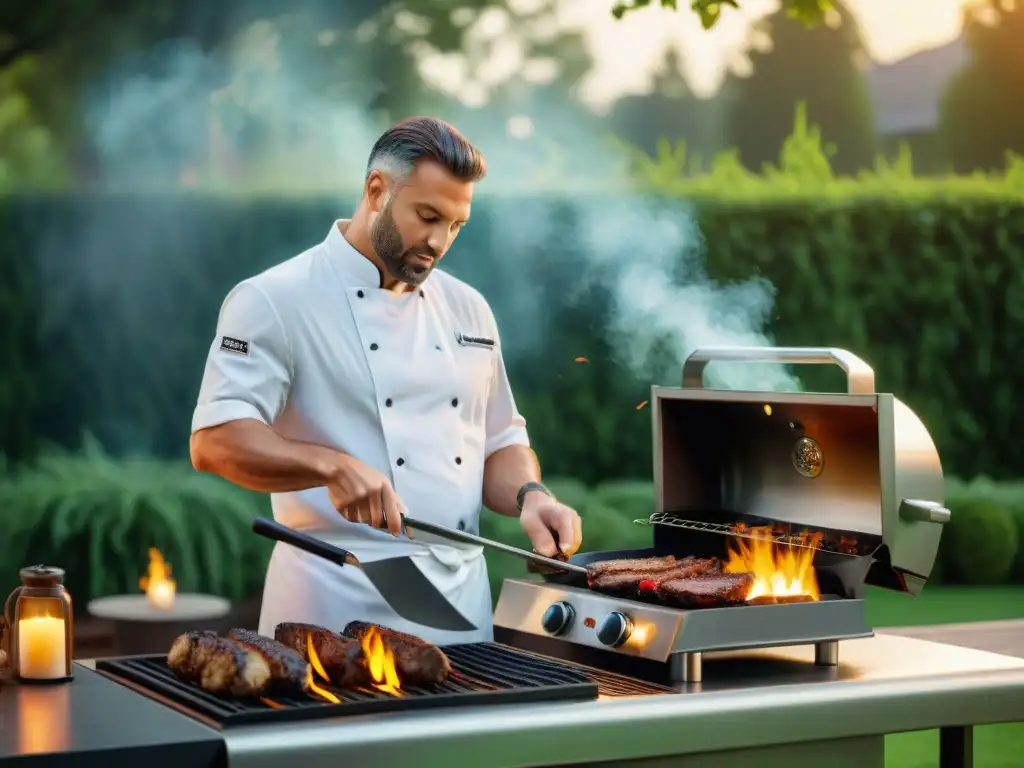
(247,373)
(505,425)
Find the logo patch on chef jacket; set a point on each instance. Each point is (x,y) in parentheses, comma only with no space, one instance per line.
(239,347)
(474,341)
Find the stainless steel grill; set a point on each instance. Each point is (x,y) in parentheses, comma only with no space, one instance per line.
(855,477)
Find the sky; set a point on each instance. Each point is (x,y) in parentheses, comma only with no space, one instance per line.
(627,52)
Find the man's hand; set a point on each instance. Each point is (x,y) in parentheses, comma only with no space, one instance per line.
(363,495)
(543,516)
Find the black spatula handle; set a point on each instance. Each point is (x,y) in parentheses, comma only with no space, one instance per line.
(274,530)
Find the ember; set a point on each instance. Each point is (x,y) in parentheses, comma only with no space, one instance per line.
(380,660)
(641,405)
(582,360)
(781,573)
(158,585)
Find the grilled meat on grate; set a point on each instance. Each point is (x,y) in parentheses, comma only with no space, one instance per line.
(341,657)
(417,661)
(686,568)
(218,665)
(648,565)
(710,591)
(289,671)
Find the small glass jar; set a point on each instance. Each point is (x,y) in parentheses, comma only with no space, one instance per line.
(40,627)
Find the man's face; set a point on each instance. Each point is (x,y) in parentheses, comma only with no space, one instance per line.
(417,222)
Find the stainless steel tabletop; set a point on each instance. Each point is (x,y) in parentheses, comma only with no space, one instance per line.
(884,684)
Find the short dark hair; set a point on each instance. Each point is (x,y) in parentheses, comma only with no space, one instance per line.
(418,138)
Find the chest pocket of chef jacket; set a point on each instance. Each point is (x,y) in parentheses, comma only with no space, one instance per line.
(475,358)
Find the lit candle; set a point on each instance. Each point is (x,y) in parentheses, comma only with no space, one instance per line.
(42,653)
(161,594)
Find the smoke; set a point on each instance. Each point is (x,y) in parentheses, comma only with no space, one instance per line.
(285,108)
(282,107)
(650,255)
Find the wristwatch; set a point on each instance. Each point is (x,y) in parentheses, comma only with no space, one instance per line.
(528,488)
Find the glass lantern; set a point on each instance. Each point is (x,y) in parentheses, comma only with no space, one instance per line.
(40,627)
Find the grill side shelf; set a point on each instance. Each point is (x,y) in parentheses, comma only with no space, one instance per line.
(484,673)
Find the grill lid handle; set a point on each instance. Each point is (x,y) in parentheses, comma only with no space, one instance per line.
(919,510)
(860,377)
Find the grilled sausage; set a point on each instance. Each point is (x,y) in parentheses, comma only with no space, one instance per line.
(687,568)
(218,665)
(289,672)
(417,661)
(341,657)
(709,592)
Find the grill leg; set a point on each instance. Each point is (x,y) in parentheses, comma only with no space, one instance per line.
(956,747)
(686,668)
(827,654)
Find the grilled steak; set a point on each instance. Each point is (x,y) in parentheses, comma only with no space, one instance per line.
(341,657)
(218,665)
(417,661)
(638,564)
(707,592)
(289,671)
(687,568)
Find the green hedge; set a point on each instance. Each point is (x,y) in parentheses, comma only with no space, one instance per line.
(97,516)
(114,300)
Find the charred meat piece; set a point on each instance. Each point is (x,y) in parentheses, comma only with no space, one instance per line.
(714,591)
(638,564)
(341,657)
(289,672)
(218,665)
(417,661)
(687,568)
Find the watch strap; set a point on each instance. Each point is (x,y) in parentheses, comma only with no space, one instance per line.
(528,488)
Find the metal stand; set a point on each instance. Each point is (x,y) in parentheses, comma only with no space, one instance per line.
(826,654)
(686,667)
(956,747)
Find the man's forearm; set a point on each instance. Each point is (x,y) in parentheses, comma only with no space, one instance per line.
(253,455)
(505,472)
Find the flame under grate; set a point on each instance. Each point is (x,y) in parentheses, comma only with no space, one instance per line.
(484,673)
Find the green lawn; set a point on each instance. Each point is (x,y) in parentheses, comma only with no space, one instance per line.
(995,746)
(945,605)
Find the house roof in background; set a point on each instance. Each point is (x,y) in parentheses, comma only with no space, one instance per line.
(907,93)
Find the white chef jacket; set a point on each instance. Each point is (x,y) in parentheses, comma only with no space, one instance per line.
(315,348)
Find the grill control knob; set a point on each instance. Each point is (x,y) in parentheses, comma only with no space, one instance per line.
(557,618)
(614,629)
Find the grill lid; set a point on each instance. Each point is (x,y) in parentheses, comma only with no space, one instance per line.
(860,464)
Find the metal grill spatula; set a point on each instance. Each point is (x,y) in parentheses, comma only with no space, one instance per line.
(398,579)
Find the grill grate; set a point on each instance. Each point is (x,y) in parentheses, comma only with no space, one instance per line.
(726,529)
(484,673)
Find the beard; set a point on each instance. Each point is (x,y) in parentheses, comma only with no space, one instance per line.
(399,261)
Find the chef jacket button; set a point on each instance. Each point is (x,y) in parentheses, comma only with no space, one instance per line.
(422,294)
(360,294)
(389,402)
(462,526)
(374,347)
(455,402)
(458,459)
(400,462)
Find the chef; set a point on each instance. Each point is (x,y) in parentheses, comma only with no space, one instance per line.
(355,382)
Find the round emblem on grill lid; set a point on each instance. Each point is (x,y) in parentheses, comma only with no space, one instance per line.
(808,457)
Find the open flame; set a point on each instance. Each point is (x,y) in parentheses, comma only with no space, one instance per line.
(782,573)
(158,585)
(380,660)
(318,667)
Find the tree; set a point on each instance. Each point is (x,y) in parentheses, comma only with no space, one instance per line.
(982,112)
(809,12)
(833,90)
